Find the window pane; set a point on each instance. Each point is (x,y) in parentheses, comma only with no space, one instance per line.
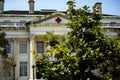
(7,21)
(23,47)
(23,68)
(8,48)
(40,47)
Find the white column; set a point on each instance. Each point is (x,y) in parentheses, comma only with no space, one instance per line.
(31,56)
(15,56)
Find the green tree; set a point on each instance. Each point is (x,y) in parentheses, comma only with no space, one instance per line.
(48,65)
(91,44)
(86,52)
(6,62)
(3,43)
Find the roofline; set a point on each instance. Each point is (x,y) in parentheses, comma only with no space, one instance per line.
(20,15)
(27,14)
(111,17)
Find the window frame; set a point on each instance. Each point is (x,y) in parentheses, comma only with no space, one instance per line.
(40,44)
(9,48)
(25,47)
(23,69)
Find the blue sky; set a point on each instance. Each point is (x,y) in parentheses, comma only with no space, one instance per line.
(108,6)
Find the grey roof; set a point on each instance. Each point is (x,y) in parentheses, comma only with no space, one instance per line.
(27,12)
(41,12)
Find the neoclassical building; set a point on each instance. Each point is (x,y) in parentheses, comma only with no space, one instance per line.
(25,31)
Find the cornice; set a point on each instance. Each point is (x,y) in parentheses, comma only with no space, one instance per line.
(111,17)
(19,15)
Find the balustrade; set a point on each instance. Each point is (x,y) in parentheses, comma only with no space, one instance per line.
(12,24)
(111,24)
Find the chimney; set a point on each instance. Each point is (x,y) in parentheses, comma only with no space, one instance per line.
(70,4)
(31,6)
(1,6)
(97,8)
(70,9)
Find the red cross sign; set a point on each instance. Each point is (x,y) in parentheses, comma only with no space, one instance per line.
(58,20)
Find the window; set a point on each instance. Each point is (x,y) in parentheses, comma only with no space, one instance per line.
(8,48)
(40,47)
(23,47)
(7,21)
(23,68)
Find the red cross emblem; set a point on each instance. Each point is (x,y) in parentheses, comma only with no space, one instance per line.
(58,20)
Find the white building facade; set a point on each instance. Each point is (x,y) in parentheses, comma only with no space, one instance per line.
(25,31)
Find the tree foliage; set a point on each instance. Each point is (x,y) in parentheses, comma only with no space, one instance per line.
(6,61)
(86,52)
(3,43)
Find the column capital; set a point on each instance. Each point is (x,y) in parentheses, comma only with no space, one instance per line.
(31,36)
(14,39)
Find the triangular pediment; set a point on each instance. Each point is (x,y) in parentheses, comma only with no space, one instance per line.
(54,18)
